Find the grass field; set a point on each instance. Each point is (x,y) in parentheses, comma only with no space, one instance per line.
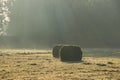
(97,64)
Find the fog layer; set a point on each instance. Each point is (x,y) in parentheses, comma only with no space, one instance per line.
(43,23)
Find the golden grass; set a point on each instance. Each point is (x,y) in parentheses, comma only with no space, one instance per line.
(36,65)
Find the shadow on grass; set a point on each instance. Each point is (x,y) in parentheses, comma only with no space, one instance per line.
(73,61)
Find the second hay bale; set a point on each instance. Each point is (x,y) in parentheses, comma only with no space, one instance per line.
(55,51)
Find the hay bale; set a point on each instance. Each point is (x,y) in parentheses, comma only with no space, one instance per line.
(55,51)
(70,53)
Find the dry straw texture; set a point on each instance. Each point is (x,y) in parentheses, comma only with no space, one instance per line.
(40,65)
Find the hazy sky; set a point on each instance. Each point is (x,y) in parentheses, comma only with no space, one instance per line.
(86,22)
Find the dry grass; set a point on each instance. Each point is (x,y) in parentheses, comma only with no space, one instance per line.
(36,65)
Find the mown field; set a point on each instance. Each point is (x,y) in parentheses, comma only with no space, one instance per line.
(97,64)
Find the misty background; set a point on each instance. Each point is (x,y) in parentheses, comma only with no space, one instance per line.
(44,23)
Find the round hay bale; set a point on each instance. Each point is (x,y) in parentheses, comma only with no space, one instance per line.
(70,53)
(55,51)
